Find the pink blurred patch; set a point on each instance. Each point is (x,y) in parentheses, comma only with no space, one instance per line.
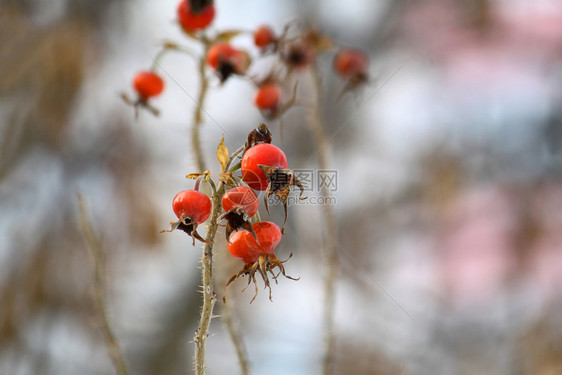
(476,247)
(515,41)
(545,274)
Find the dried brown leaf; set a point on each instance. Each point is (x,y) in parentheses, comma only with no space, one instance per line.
(222,154)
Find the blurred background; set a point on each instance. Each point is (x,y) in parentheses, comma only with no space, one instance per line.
(449,191)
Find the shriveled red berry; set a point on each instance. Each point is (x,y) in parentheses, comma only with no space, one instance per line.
(195,15)
(243,245)
(227,60)
(148,84)
(192,204)
(268,97)
(264,37)
(261,154)
(241,197)
(351,63)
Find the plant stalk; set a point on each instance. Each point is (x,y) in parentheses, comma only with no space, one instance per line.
(198,114)
(209,295)
(330,240)
(100,303)
(236,339)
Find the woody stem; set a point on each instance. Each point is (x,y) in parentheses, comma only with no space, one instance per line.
(330,240)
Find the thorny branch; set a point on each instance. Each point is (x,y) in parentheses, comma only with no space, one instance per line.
(209,295)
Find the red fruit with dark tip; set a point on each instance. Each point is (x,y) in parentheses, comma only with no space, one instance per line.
(195,15)
(261,154)
(227,60)
(148,84)
(351,63)
(244,246)
(192,204)
(221,52)
(268,97)
(241,197)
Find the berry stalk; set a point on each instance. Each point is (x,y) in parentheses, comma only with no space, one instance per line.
(235,336)
(330,241)
(198,113)
(95,248)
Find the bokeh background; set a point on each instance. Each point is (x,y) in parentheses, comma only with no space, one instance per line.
(449,194)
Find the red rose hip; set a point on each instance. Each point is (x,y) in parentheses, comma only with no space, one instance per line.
(351,63)
(244,246)
(195,15)
(241,197)
(261,154)
(268,97)
(264,37)
(192,204)
(227,60)
(148,84)
(258,256)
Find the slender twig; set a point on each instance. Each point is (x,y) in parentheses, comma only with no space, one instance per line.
(209,295)
(235,336)
(95,248)
(330,242)
(198,113)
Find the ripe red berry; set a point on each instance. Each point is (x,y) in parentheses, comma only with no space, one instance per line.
(241,197)
(264,37)
(268,97)
(227,60)
(192,204)
(351,63)
(243,245)
(195,15)
(148,84)
(261,154)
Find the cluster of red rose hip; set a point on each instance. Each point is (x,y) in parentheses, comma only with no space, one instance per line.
(263,167)
(295,48)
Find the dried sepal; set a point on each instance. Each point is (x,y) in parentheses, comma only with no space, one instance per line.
(169,45)
(353,83)
(280,182)
(320,42)
(194,176)
(261,134)
(227,35)
(265,264)
(228,178)
(188,226)
(237,219)
(289,103)
(197,6)
(140,102)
